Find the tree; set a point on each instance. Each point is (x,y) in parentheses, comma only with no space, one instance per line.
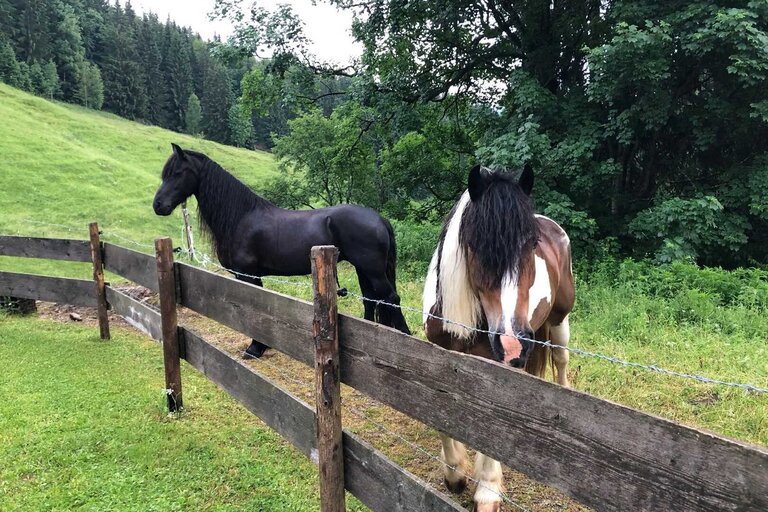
(193,115)
(49,81)
(216,102)
(9,66)
(240,127)
(177,72)
(150,34)
(620,106)
(124,83)
(66,47)
(324,159)
(90,88)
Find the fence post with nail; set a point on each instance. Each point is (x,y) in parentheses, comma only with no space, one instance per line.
(166,282)
(97,257)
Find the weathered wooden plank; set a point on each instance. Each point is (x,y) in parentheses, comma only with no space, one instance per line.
(98,279)
(605,455)
(327,383)
(277,320)
(369,475)
(77,292)
(166,283)
(46,248)
(133,265)
(139,315)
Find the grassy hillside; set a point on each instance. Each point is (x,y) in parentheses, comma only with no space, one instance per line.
(67,165)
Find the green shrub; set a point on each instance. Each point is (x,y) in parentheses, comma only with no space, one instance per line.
(415,245)
(742,287)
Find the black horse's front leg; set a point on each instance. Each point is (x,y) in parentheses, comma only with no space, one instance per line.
(256,349)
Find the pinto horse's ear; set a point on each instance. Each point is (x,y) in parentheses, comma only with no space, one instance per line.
(179,152)
(526,179)
(476,184)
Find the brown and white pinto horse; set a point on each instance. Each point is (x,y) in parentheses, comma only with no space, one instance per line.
(501,268)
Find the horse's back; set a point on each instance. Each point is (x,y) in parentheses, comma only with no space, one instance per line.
(555,248)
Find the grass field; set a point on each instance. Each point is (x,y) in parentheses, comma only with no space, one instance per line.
(67,166)
(96,436)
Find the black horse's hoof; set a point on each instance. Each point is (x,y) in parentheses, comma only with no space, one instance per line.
(456,487)
(254,351)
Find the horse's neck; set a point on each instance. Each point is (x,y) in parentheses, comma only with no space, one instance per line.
(223,201)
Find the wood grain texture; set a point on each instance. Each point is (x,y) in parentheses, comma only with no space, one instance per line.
(327,384)
(46,248)
(140,316)
(166,284)
(369,475)
(98,279)
(133,265)
(605,455)
(277,320)
(77,292)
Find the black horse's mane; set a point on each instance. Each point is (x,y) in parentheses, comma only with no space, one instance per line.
(222,199)
(499,228)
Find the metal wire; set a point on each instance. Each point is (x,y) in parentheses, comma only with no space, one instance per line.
(610,359)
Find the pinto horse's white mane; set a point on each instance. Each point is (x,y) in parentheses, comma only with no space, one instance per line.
(459,301)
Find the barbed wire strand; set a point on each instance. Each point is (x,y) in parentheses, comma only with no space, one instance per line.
(206,261)
(289,376)
(548,343)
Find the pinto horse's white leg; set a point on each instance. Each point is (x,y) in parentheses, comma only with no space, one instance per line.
(560,334)
(490,484)
(454,457)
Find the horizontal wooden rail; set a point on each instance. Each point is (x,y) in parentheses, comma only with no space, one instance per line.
(277,320)
(139,315)
(133,265)
(78,292)
(46,248)
(605,455)
(369,475)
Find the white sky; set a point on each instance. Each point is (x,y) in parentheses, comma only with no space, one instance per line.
(328,28)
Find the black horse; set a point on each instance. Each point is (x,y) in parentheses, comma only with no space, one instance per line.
(252,236)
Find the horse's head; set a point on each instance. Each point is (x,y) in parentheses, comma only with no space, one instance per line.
(180,180)
(499,236)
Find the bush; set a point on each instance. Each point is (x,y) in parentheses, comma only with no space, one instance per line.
(415,245)
(742,287)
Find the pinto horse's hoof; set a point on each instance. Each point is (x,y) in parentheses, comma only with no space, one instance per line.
(456,487)
(488,507)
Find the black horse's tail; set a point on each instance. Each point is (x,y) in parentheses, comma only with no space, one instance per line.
(391,315)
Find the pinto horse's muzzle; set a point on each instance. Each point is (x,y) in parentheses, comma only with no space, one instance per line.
(512,350)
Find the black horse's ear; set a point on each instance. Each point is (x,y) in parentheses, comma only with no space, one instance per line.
(476,184)
(526,179)
(179,152)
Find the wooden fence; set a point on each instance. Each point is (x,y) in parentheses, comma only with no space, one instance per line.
(605,455)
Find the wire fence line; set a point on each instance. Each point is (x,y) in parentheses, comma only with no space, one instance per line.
(291,377)
(206,261)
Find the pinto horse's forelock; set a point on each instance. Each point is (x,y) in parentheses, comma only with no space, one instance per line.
(498,228)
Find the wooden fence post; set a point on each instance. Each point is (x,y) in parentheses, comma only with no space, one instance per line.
(98,280)
(166,280)
(327,379)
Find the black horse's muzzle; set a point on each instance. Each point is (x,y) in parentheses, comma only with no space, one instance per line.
(162,208)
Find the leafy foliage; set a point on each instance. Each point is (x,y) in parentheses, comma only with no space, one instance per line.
(621,107)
